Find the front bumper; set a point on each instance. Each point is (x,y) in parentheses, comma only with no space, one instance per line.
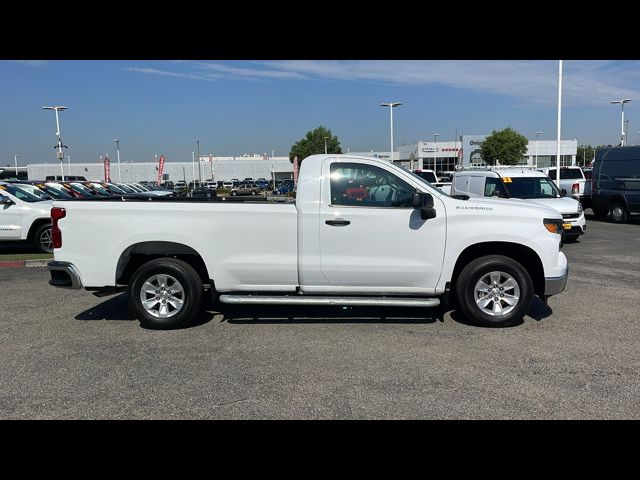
(555,285)
(64,275)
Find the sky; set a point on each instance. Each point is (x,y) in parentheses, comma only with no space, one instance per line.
(238,107)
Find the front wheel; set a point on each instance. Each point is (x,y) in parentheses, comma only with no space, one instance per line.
(618,213)
(165,293)
(494,291)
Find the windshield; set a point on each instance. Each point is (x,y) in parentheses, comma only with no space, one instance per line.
(426,182)
(115,189)
(135,188)
(35,191)
(21,194)
(530,187)
(81,189)
(56,190)
(428,176)
(100,189)
(144,188)
(567,174)
(127,188)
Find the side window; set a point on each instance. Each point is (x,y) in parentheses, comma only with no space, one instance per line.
(356,184)
(492,185)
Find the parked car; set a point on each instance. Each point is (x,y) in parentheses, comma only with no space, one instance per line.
(227,185)
(33,189)
(431,177)
(25,217)
(283,189)
(573,182)
(410,248)
(616,183)
(80,189)
(204,192)
(522,183)
(245,189)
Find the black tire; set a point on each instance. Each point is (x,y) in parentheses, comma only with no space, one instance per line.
(476,270)
(233,194)
(253,192)
(618,213)
(189,281)
(599,213)
(42,239)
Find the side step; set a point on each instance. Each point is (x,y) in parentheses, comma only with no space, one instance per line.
(340,301)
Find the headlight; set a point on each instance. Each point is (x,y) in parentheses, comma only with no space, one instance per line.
(553,225)
(580,209)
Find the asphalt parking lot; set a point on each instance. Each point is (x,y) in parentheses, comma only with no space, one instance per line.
(69,355)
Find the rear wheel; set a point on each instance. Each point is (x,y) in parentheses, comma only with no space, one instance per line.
(494,291)
(618,213)
(253,192)
(42,240)
(233,194)
(165,293)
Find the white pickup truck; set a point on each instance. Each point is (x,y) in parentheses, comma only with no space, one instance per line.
(361,231)
(573,182)
(25,216)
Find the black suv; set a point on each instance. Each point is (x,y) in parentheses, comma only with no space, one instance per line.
(616,183)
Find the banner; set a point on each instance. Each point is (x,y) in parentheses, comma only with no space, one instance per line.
(107,169)
(160,168)
(295,170)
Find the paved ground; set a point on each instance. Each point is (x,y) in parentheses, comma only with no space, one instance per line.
(67,354)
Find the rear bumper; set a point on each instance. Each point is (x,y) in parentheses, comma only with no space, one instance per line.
(555,285)
(64,275)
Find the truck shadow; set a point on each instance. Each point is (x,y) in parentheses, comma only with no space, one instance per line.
(116,308)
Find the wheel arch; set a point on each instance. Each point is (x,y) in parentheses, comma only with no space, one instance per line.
(138,254)
(525,256)
(35,225)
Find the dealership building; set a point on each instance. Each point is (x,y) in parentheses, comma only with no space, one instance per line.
(218,168)
(444,156)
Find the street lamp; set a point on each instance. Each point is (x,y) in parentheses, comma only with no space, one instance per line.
(325,144)
(58,108)
(117,142)
(391,105)
(15,159)
(537,136)
(622,102)
(435,148)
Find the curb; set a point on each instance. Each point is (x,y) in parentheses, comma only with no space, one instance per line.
(24,263)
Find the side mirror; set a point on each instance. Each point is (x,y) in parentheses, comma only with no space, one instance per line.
(563,192)
(6,201)
(424,202)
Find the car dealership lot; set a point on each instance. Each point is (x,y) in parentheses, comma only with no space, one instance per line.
(67,354)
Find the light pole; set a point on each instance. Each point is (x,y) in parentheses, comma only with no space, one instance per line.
(538,134)
(15,159)
(559,123)
(626,131)
(69,165)
(60,155)
(435,148)
(391,105)
(199,169)
(622,102)
(193,165)
(117,142)
(325,144)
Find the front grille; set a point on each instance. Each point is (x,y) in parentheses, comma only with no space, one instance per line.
(570,215)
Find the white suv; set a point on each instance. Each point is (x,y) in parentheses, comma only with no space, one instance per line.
(523,183)
(25,216)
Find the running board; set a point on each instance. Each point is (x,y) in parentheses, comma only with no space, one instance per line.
(340,301)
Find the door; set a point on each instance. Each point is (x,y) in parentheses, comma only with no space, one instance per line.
(371,239)
(10,221)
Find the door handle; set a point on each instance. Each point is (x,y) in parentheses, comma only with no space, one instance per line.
(337,223)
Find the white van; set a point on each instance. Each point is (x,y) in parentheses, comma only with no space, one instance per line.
(523,183)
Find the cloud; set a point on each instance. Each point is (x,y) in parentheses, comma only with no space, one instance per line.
(591,82)
(31,63)
(166,73)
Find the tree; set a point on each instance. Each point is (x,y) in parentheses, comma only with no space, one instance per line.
(505,146)
(313,143)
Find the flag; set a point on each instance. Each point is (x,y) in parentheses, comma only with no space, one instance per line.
(107,169)
(295,170)
(160,168)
